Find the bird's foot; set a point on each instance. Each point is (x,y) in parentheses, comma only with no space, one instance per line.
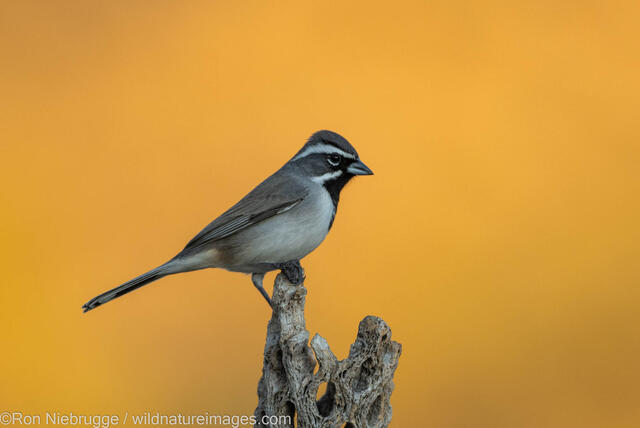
(293,271)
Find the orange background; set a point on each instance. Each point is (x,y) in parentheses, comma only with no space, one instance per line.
(499,237)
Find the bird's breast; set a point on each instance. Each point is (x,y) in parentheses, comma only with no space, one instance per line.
(287,236)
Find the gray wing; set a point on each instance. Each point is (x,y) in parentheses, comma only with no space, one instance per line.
(275,195)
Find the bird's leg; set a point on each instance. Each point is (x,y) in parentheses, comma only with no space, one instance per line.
(257,278)
(293,271)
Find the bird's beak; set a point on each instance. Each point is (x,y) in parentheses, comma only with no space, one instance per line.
(359,168)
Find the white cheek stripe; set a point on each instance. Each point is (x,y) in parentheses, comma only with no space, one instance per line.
(323,148)
(326,177)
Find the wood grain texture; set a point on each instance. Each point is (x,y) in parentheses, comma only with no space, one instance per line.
(358,388)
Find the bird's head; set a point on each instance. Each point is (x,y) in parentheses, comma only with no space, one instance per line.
(330,160)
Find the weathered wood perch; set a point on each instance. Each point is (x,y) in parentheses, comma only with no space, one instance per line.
(358,387)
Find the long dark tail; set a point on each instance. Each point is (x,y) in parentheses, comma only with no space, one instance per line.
(128,287)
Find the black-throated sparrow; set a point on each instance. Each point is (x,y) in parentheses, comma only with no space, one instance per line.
(278,223)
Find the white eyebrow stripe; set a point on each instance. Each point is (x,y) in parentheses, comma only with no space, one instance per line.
(323,148)
(326,177)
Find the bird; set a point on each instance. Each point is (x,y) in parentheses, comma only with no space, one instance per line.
(274,226)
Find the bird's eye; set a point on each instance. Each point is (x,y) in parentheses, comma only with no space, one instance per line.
(334,159)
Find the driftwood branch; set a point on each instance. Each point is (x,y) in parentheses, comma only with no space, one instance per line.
(358,388)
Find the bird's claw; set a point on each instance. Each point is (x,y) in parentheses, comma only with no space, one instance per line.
(293,271)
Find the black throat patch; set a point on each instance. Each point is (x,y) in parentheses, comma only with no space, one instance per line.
(334,187)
